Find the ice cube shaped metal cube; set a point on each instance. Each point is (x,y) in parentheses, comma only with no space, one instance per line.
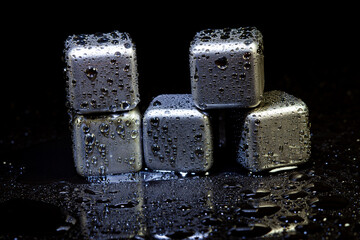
(107,144)
(176,135)
(275,134)
(227,68)
(101,71)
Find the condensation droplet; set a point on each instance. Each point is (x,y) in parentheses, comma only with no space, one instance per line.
(134,134)
(221,63)
(89,139)
(91,73)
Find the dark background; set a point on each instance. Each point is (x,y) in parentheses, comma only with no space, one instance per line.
(310,52)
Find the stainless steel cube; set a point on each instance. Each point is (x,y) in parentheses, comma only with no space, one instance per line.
(227,68)
(176,135)
(107,144)
(101,72)
(275,134)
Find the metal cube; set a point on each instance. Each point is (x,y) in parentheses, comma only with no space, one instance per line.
(107,144)
(101,72)
(275,134)
(176,135)
(227,68)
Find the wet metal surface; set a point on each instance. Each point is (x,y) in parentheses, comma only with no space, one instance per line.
(176,135)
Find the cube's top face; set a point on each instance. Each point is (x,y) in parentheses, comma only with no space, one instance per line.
(246,35)
(108,144)
(173,101)
(226,68)
(101,72)
(177,136)
(277,133)
(278,104)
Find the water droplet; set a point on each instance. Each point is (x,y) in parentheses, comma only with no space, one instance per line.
(180,234)
(102,170)
(134,134)
(86,128)
(154,122)
(104,128)
(84,105)
(157,103)
(259,193)
(199,152)
(261,210)
(222,63)
(89,139)
(120,129)
(248,42)
(129,204)
(125,105)
(113,108)
(94,160)
(296,176)
(165,128)
(102,148)
(247,55)
(242,76)
(255,230)
(155,148)
(293,195)
(198,137)
(247,65)
(210,221)
(126,68)
(91,73)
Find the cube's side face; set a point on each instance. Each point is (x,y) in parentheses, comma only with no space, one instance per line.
(108,145)
(227,73)
(102,78)
(177,140)
(276,138)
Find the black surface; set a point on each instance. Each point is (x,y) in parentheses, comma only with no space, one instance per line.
(312,54)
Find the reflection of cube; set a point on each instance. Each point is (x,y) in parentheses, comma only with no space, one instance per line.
(275,134)
(177,136)
(173,204)
(101,72)
(227,68)
(107,144)
(112,212)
